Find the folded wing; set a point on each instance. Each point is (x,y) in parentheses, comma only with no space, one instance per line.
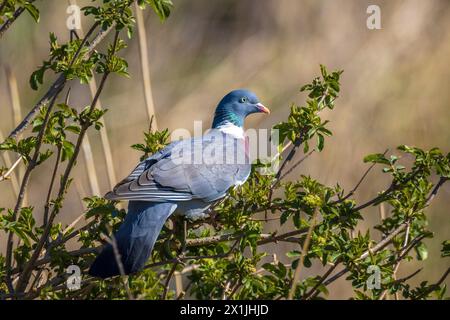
(200,168)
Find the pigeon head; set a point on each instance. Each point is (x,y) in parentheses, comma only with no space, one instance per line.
(235,106)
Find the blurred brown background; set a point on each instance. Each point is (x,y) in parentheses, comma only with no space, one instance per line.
(395,88)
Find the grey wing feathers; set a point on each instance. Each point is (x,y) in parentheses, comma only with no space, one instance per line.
(143,165)
(166,177)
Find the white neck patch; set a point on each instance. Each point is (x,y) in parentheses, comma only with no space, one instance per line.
(232,130)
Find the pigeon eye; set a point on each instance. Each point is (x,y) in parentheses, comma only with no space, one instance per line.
(244,99)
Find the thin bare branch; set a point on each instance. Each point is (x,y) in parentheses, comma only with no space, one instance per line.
(103,136)
(435,190)
(167,282)
(402,251)
(52,181)
(24,277)
(297,164)
(382,244)
(320,281)
(90,166)
(352,192)
(118,259)
(436,285)
(303,255)
(32,164)
(145,67)
(5,26)
(10,170)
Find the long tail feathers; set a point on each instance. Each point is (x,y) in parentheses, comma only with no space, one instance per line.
(135,239)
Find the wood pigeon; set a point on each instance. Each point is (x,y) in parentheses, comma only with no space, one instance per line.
(184,178)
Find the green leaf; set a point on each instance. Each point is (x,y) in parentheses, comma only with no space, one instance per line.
(307,262)
(293,254)
(284,217)
(325,131)
(67,150)
(74,128)
(376,158)
(445,251)
(306,147)
(44,156)
(422,251)
(37,77)
(320,142)
(161,8)
(130,31)
(323,71)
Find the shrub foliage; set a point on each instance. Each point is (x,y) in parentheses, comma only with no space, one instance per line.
(223,256)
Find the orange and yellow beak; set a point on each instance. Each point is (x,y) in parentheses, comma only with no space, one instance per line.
(263,108)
